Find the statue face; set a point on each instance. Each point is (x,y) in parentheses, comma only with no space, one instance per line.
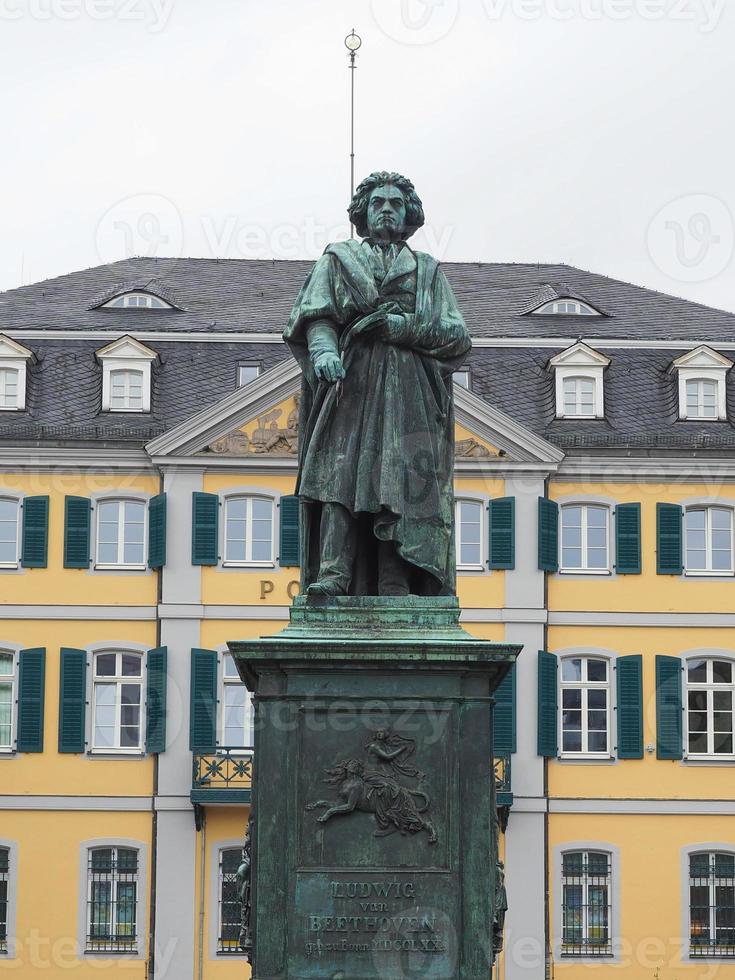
(386,213)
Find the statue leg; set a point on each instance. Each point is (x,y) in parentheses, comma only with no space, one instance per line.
(394,574)
(338,542)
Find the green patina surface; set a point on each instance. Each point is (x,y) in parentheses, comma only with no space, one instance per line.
(382,705)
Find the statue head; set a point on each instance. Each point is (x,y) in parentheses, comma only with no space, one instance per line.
(381,734)
(354,766)
(386,207)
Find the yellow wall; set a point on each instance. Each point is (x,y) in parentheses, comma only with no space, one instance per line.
(647,778)
(56,584)
(647,592)
(651,890)
(49,773)
(48,889)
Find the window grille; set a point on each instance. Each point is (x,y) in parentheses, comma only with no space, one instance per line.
(586,904)
(112,898)
(712,904)
(4,886)
(230,908)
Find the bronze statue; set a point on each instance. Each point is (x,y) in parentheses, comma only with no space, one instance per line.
(377,333)
(244,878)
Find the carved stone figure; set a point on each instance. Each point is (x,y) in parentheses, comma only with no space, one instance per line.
(377,333)
(501,907)
(396,807)
(244,877)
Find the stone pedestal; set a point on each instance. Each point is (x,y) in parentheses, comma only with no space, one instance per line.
(375,835)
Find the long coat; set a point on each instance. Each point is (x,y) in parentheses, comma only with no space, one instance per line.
(382,443)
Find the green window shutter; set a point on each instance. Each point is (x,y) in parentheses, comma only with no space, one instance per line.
(34,553)
(31,695)
(669,560)
(629,671)
(203,698)
(205,529)
(668,708)
(547,704)
(77,519)
(289,525)
(504,727)
(155,722)
(157,531)
(502,529)
(72,700)
(628,539)
(548,535)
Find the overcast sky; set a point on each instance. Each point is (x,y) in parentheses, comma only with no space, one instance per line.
(593,132)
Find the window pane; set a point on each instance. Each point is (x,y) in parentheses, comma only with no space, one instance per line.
(6,664)
(572,741)
(697,671)
(571,669)
(230,670)
(698,743)
(131,665)
(723,744)
(6,715)
(105,664)
(247,373)
(571,698)
(597,670)
(721,672)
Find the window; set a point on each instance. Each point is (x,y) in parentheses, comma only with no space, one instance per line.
(586,903)
(469,525)
(237,708)
(579,397)
(247,373)
(9,524)
(230,909)
(126,391)
(462,377)
(710,706)
(708,533)
(112,900)
(585,538)
(140,301)
(121,530)
(712,904)
(9,388)
(117,702)
(570,307)
(126,375)
(7,699)
(585,706)
(4,897)
(249,531)
(701,399)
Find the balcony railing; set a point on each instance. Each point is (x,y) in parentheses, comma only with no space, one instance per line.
(223,776)
(503,792)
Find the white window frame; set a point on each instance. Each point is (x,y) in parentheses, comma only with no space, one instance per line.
(120,566)
(585,686)
(118,680)
(141,916)
(552,308)
(15,357)
(699,415)
(709,686)
(580,361)
(709,572)
(152,302)
(10,923)
(248,496)
(482,504)
(248,364)
(126,354)
(18,505)
(127,385)
(224,683)
(12,677)
(468,373)
(19,371)
(584,569)
(702,364)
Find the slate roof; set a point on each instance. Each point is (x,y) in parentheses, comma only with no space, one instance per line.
(641,399)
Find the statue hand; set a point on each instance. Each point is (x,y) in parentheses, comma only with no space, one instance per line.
(328,367)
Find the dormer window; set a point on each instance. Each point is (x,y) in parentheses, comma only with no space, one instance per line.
(567,307)
(139,301)
(579,385)
(13,369)
(702,373)
(126,376)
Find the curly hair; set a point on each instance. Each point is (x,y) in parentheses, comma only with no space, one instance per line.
(359,203)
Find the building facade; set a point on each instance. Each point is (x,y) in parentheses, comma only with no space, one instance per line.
(148,437)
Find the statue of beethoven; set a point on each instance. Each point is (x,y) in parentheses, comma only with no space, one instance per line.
(377,333)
